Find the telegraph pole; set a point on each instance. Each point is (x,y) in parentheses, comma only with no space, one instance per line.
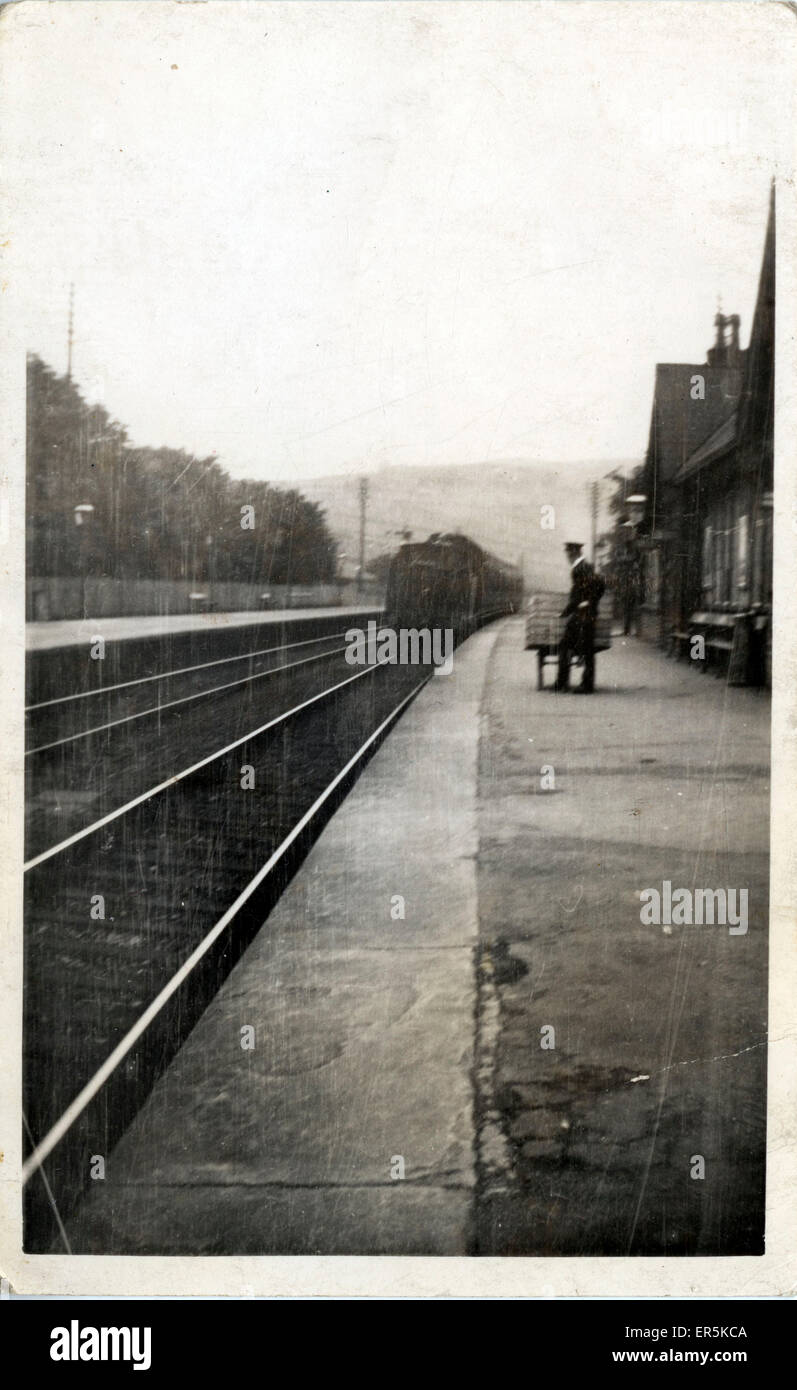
(594,513)
(69,336)
(363,490)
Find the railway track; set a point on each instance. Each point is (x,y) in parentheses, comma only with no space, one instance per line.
(78,777)
(140,898)
(63,719)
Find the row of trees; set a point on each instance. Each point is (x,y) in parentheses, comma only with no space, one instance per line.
(153,513)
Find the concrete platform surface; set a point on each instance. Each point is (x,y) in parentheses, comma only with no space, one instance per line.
(72,632)
(518,1064)
(637,1125)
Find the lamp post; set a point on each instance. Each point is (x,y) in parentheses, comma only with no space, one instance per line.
(363,496)
(83,513)
(634,583)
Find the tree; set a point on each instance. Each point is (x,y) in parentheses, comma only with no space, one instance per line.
(157,513)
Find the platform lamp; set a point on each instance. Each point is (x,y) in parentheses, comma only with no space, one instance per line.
(83,513)
(636,505)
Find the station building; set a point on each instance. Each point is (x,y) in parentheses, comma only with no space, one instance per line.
(706,533)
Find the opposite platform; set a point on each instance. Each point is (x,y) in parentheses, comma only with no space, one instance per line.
(81,631)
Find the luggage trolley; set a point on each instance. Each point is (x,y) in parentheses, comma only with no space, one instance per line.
(544,628)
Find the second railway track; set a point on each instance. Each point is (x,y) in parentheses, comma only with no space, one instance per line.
(116,907)
(74,781)
(64,719)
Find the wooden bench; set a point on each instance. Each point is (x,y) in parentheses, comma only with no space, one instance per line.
(719,633)
(545,625)
(679,639)
(735,644)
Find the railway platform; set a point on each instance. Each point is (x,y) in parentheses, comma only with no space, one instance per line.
(454,1033)
(47,636)
(67,657)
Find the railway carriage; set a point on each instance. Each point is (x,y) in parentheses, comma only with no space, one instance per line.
(449,581)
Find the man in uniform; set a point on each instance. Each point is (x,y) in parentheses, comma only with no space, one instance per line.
(626,573)
(578,638)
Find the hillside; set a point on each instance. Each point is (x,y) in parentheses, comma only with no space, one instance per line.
(497,504)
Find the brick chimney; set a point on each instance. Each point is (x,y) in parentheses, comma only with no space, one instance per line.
(726,351)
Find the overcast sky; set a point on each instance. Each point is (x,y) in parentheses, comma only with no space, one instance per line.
(321,237)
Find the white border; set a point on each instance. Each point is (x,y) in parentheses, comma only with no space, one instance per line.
(770,1275)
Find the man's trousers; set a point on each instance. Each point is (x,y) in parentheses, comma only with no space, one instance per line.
(578,639)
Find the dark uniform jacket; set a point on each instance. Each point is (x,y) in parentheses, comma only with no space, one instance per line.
(587,587)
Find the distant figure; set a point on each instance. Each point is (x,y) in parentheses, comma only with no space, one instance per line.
(578,638)
(626,580)
(629,598)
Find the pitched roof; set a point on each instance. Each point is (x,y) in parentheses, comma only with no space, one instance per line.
(750,424)
(717,444)
(757,407)
(679,424)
